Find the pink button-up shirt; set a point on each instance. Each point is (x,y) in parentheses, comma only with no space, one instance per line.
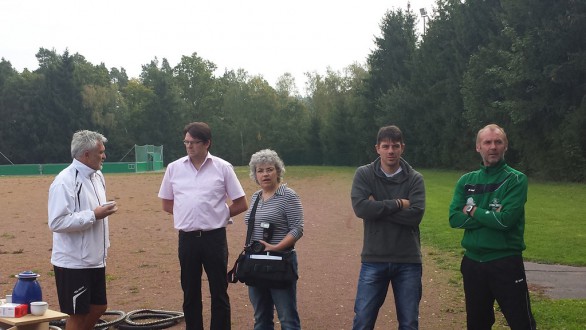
(199,197)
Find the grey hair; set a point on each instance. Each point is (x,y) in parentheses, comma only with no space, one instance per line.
(85,140)
(266,156)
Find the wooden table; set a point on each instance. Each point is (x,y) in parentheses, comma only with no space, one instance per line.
(30,321)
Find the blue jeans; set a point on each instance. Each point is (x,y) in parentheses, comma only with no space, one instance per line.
(265,300)
(373,284)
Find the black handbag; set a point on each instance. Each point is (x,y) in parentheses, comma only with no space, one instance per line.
(266,270)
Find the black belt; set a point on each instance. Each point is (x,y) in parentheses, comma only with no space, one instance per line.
(200,233)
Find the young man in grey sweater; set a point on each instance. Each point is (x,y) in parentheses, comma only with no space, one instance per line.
(389,196)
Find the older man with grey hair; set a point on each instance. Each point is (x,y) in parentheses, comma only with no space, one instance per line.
(78,216)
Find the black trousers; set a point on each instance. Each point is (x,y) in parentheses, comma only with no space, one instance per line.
(502,279)
(207,251)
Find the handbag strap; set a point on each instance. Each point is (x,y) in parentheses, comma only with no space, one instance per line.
(231,276)
(251,219)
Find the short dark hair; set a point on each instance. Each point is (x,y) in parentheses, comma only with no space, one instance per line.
(199,130)
(390,132)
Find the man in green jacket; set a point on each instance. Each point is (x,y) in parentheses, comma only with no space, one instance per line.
(489,204)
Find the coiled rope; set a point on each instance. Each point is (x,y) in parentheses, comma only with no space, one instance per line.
(101,325)
(163,319)
(156,319)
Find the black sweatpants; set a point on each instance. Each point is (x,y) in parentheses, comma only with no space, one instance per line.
(502,279)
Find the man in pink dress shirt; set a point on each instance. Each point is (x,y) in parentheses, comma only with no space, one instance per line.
(196,189)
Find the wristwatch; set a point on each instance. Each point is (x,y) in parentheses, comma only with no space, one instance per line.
(469,209)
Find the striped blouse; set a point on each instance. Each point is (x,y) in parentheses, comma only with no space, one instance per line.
(283,210)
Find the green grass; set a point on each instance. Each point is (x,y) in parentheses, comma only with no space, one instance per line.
(303,172)
(435,227)
(555,232)
(559,314)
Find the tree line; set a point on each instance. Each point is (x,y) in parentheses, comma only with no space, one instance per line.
(518,63)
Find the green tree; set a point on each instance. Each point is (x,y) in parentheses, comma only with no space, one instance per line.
(390,61)
(386,91)
(291,122)
(286,86)
(61,113)
(536,82)
(195,78)
(135,98)
(228,123)
(439,134)
(21,104)
(163,122)
(119,77)
(260,131)
(7,73)
(330,107)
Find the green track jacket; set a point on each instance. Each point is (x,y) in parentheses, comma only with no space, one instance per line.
(497,228)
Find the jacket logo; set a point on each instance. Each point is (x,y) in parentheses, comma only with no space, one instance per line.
(495,204)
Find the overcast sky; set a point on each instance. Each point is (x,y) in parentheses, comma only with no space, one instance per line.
(266,37)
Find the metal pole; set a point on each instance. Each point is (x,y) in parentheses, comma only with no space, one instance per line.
(423,13)
(242,146)
(6,158)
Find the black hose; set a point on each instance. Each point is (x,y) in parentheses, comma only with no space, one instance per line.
(163,319)
(100,325)
(57,323)
(159,320)
(103,325)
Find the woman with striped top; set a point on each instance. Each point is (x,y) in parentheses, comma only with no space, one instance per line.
(278,225)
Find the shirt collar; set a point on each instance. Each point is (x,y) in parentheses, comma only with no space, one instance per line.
(85,170)
(208,156)
(494,168)
(281,189)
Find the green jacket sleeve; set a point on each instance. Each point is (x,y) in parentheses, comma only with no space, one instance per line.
(459,219)
(512,209)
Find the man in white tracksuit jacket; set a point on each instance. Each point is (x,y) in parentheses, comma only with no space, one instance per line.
(78,216)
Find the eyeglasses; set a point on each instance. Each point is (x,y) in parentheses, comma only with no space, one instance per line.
(268,170)
(189,143)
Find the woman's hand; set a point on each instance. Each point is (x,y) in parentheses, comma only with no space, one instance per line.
(286,243)
(269,247)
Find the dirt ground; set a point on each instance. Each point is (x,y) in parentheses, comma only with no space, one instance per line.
(143,270)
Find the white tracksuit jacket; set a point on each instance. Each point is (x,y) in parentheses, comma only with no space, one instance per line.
(79,240)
